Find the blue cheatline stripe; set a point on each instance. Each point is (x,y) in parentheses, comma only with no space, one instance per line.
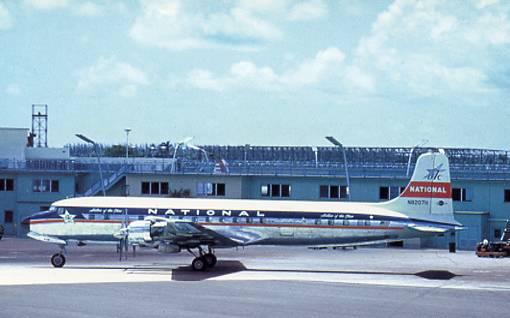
(119,214)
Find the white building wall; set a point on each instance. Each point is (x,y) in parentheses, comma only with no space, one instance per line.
(46,153)
(13,142)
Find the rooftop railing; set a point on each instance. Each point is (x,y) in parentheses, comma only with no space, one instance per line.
(301,153)
(256,168)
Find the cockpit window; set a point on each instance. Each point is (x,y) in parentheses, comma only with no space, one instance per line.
(53,209)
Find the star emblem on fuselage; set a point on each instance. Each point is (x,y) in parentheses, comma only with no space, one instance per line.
(68,218)
(434,173)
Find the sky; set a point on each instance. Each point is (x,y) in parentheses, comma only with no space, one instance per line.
(260,72)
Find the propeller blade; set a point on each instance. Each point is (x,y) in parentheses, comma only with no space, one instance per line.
(120,250)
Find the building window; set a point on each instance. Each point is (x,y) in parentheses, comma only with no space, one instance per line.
(146,188)
(8,216)
(275,190)
(219,189)
(507,195)
(324,191)
(55,186)
(285,190)
(211,189)
(45,185)
(155,188)
(6,184)
(460,194)
(390,192)
(164,187)
(333,191)
(384,193)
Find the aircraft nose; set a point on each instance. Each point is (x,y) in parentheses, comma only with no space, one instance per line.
(37,215)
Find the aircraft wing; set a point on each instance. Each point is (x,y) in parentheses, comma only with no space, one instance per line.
(184,234)
(46,238)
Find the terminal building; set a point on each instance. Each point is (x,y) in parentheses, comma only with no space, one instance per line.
(31,178)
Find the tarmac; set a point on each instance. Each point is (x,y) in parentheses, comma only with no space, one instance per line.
(257,281)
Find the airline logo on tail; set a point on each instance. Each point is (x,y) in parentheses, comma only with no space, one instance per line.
(425,189)
(433,187)
(435,173)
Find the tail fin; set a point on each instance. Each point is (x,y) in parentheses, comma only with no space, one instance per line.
(429,194)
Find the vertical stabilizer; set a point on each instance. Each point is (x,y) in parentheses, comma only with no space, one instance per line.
(429,194)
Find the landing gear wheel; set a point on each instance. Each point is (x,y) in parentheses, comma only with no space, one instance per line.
(199,264)
(210,259)
(58,260)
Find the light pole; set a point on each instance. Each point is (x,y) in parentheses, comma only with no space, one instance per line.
(187,143)
(96,149)
(316,153)
(127,130)
(423,142)
(337,143)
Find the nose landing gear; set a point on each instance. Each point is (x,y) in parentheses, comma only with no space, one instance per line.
(58,260)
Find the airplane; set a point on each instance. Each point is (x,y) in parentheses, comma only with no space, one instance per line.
(200,226)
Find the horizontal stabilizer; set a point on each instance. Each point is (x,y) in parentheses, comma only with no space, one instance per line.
(428,229)
(45,238)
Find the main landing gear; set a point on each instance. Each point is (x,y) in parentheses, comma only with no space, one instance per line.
(204,260)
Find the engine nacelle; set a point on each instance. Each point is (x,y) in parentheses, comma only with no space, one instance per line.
(139,232)
(147,232)
(168,248)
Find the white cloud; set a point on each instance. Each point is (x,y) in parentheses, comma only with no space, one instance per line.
(107,73)
(89,9)
(204,79)
(13,89)
(178,25)
(433,48)
(480,4)
(308,10)
(5,18)
(358,79)
(489,28)
(264,6)
(326,65)
(413,50)
(47,4)
(326,62)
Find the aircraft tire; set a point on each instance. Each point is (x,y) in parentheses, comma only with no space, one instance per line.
(210,259)
(199,264)
(58,260)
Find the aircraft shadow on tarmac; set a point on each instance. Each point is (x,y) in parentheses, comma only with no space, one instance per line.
(226,267)
(186,273)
